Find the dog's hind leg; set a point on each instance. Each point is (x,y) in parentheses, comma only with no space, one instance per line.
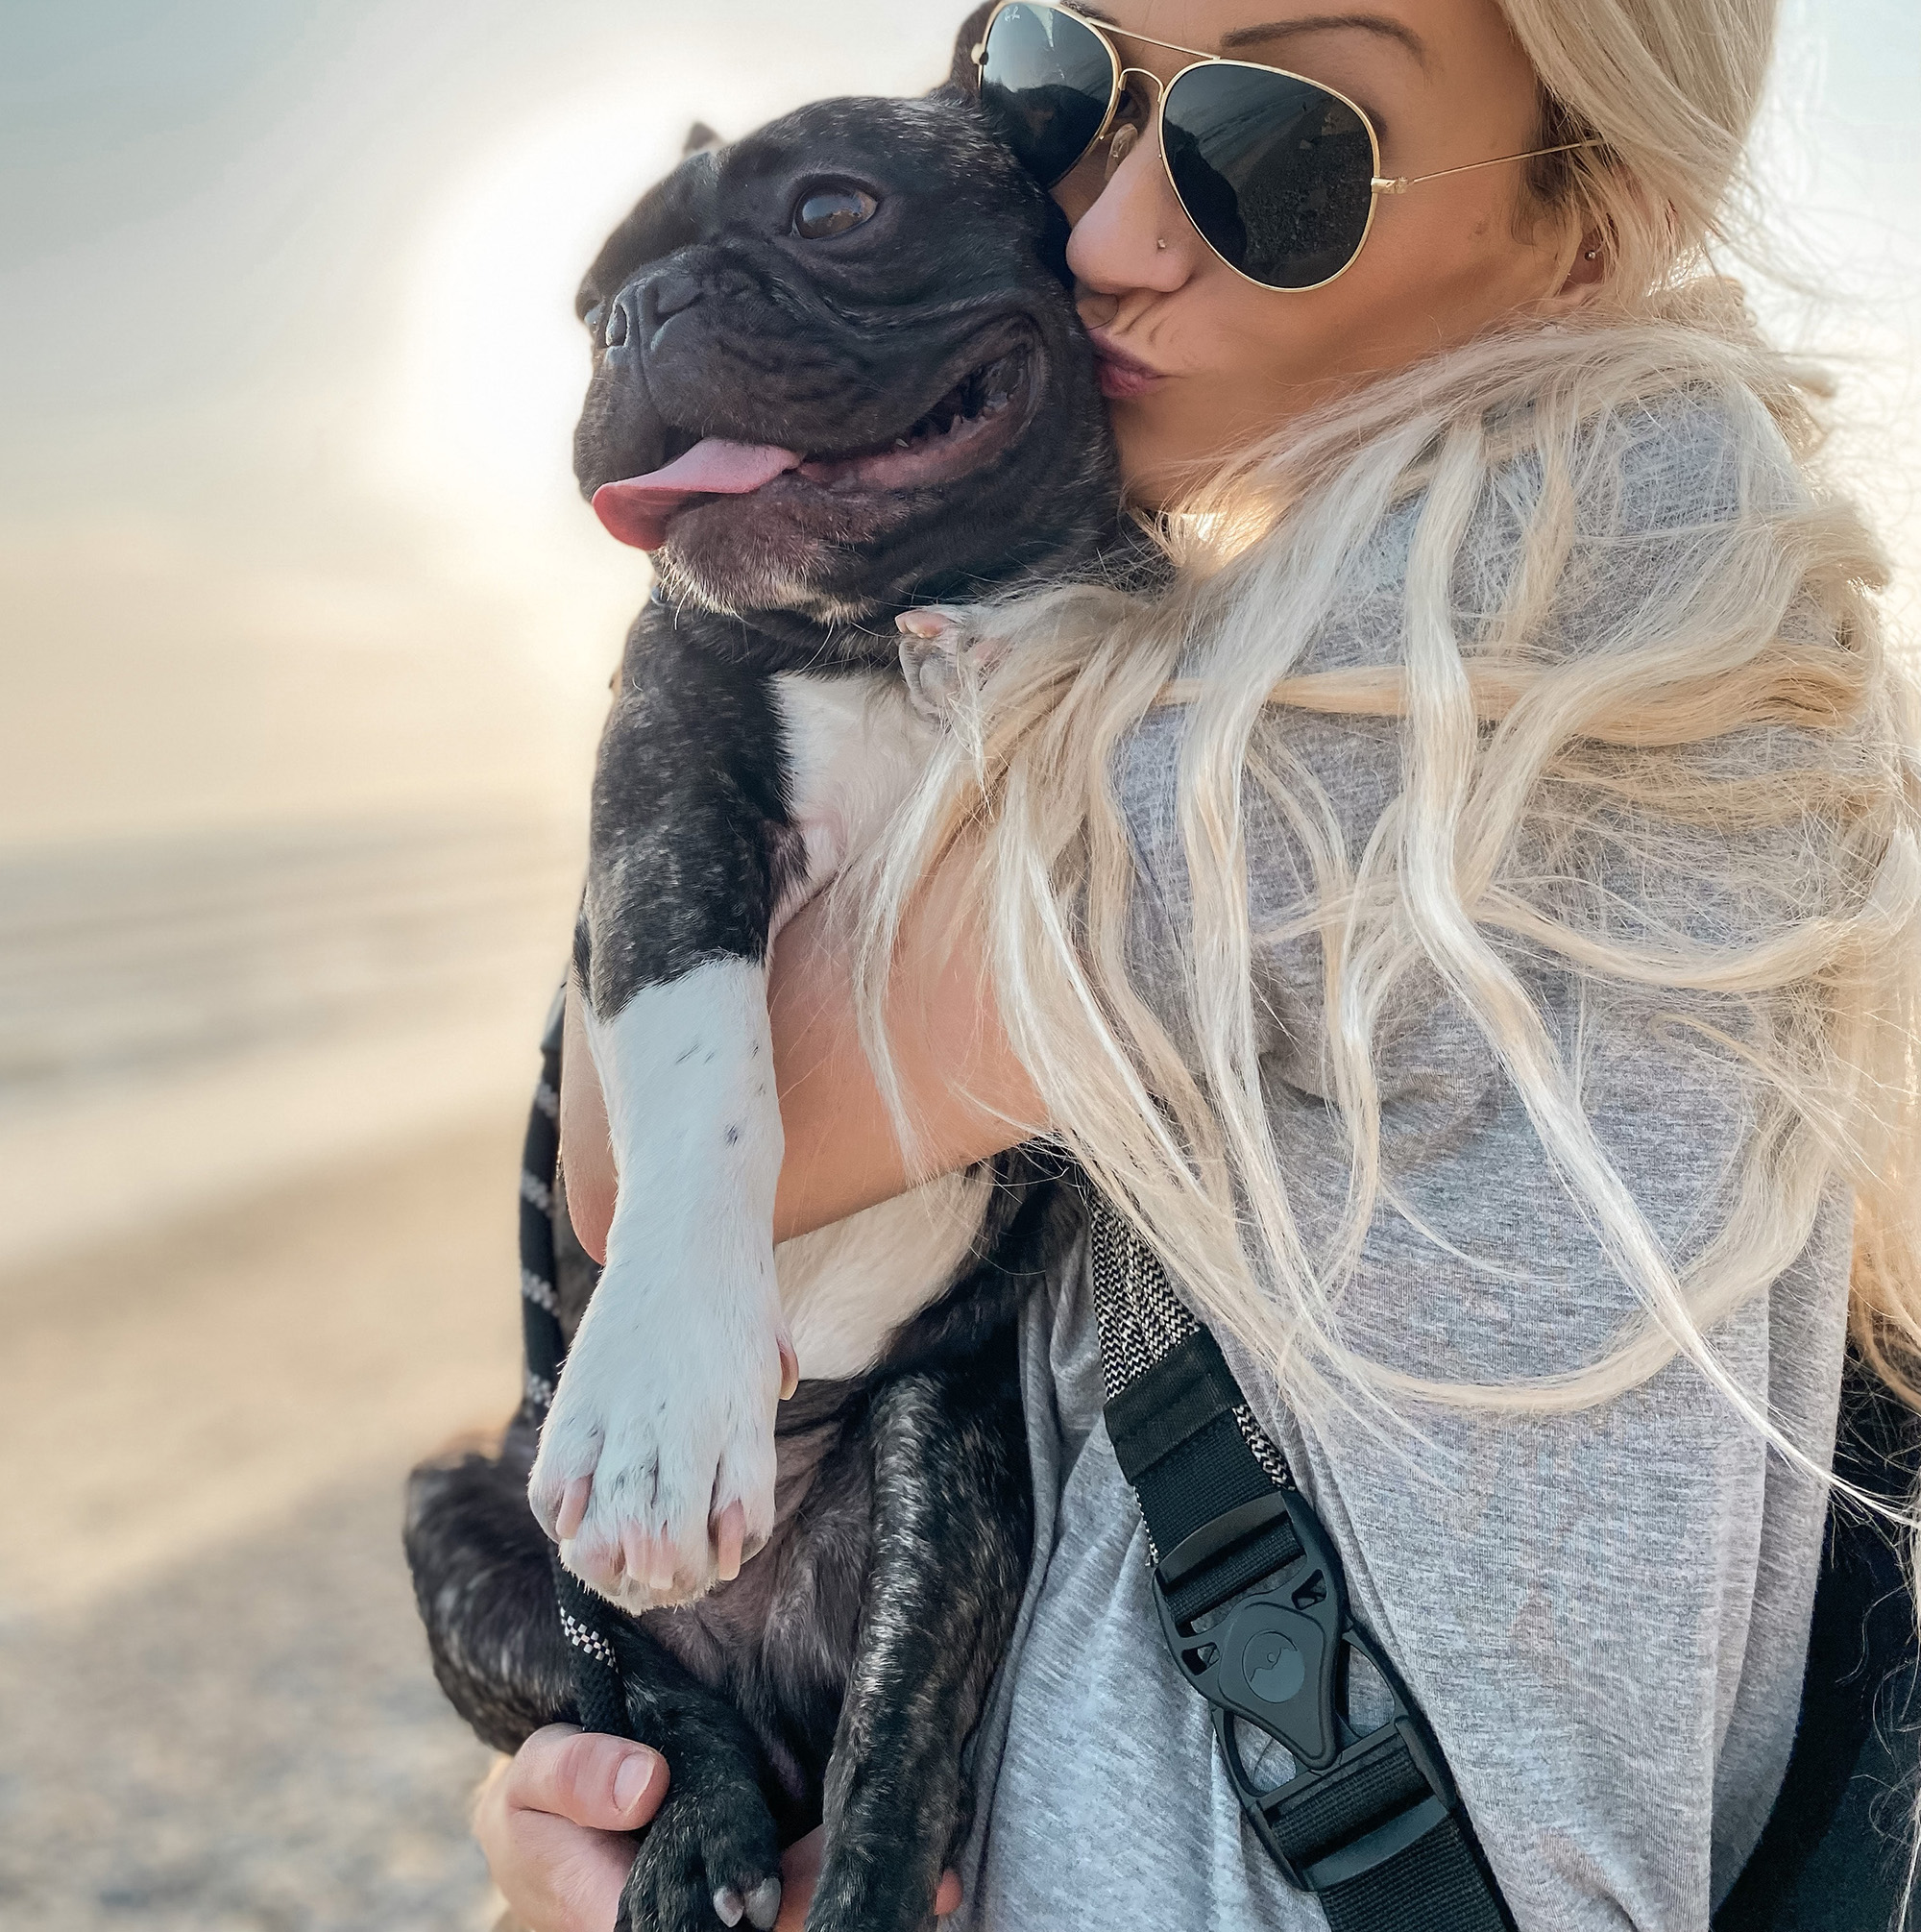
(712,1854)
(953,1517)
(483,1580)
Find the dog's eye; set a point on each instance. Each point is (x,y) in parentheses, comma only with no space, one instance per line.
(832,211)
(592,319)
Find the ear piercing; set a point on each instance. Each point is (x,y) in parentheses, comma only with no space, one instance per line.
(1160,244)
(1593,255)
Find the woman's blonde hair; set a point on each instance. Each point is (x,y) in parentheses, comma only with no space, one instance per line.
(1516,758)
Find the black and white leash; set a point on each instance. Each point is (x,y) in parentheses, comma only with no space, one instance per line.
(1254,1608)
(585,1619)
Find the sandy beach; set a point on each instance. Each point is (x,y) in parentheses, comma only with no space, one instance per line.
(214,1693)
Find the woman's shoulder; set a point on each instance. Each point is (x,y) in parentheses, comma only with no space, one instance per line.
(1639,500)
(1647,506)
(1681,459)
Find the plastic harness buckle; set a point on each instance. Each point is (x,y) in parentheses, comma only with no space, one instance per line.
(1274,1654)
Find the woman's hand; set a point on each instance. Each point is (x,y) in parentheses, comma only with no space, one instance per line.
(969,1095)
(800,1868)
(555,1825)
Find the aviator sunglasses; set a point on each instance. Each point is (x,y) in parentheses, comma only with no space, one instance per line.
(1279,175)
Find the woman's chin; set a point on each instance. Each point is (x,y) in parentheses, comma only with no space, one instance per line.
(1172,444)
(1161,458)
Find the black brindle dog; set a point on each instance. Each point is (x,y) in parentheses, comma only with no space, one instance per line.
(837,376)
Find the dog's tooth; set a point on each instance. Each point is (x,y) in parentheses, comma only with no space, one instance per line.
(764,1904)
(730,1907)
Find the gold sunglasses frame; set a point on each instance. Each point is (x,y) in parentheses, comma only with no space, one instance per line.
(1382,185)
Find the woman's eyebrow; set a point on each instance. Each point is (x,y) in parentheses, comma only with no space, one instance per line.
(1327,23)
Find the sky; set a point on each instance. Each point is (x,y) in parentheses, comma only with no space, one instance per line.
(289,369)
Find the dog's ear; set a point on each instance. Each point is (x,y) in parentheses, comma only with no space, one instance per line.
(963,74)
(700,139)
(673,214)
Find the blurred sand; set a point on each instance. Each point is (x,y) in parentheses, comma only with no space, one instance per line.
(213,1691)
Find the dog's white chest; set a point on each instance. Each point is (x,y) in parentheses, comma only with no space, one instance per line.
(854,749)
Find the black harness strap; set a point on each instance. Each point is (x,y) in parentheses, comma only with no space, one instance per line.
(1253,1605)
(585,1618)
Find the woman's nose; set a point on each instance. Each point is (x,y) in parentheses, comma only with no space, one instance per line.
(1135,236)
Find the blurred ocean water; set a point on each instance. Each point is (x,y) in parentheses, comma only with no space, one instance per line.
(131,957)
(190,1020)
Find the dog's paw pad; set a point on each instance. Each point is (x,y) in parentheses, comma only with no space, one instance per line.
(929,623)
(658,1526)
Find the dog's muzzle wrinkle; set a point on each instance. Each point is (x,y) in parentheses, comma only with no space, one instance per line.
(664,296)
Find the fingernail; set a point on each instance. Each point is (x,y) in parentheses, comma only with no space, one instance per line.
(631,1780)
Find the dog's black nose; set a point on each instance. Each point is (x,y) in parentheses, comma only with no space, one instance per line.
(645,308)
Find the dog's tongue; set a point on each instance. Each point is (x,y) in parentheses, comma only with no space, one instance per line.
(637,510)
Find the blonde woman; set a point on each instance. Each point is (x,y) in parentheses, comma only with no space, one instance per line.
(1468,926)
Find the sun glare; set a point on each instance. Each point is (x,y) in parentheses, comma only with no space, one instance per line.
(490,362)
(491,359)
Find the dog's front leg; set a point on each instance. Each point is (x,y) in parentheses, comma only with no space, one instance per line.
(656,1468)
(953,1512)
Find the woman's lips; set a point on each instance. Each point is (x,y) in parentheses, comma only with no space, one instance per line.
(1123,376)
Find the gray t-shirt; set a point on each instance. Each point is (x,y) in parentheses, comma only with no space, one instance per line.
(1604,1614)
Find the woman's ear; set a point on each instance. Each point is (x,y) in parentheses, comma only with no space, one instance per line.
(1583,274)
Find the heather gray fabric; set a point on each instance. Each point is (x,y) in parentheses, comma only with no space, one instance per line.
(1605,1614)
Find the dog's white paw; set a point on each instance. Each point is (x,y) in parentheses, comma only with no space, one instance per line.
(656,1468)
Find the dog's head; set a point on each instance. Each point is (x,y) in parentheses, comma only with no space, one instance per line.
(838,371)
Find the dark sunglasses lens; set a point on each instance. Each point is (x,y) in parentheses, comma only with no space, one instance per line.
(1046,83)
(1276,173)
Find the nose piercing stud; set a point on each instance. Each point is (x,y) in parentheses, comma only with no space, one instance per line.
(1160,244)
